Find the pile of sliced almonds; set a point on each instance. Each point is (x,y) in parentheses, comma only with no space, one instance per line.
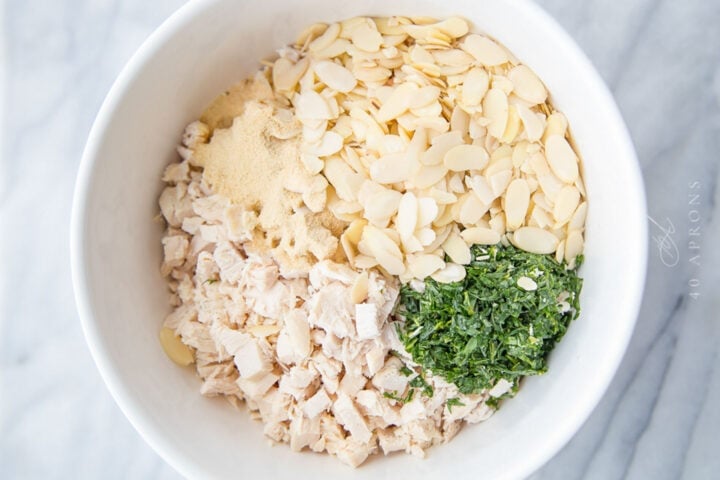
(432,139)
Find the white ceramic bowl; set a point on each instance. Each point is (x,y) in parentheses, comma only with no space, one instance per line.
(207,46)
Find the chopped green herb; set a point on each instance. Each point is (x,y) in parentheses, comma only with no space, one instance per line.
(420,382)
(486,327)
(210,281)
(454,402)
(406,371)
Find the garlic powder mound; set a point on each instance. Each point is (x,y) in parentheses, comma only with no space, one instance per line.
(255,163)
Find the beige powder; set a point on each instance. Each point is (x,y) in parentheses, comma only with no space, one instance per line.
(250,162)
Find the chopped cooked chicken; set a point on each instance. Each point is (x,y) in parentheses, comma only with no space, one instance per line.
(322,369)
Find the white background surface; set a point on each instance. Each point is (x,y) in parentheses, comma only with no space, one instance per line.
(659,418)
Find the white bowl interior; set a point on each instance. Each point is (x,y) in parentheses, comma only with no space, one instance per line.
(203,49)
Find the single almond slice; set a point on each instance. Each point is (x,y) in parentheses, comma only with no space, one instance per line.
(459,120)
(382,205)
(566,203)
(527,284)
(573,246)
(560,252)
(310,33)
(475,85)
(577,222)
(311,105)
(472,210)
(427,211)
(485,51)
(452,57)
(556,125)
(513,126)
(359,289)
(175,349)
(286,74)
(500,181)
(466,157)
(429,175)
(457,249)
(398,102)
(366,37)
(480,236)
(346,182)
(495,109)
(561,158)
(326,39)
(534,240)
(533,125)
(527,85)
(335,76)
(407,216)
(421,266)
(454,27)
(451,273)
(517,200)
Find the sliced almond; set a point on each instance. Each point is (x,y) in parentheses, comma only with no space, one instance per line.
(517,200)
(427,211)
(472,210)
(175,349)
(556,125)
(398,102)
(385,251)
(577,222)
(407,216)
(326,39)
(484,50)
(397,167)
(533,125)
(421,266)
(466,157)
(561,158)
(346,182)
(429,175)
(459,121)
(440,146)
(335,76)
(566,203)
(311,105)
(383,205)
(457,249)
(366,37)
(454,27)
(500,181)
(527,85)
(286,74)
(451,273)
(573,246)
(495,109)
(359,289)
(513,125)
(527,283)
(475,85)
(480,236)
(534,240)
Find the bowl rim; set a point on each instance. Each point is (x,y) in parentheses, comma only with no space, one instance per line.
(119,391)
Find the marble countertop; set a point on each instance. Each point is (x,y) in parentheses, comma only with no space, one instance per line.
(659,419)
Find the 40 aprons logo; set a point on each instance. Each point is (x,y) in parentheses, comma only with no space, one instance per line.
(669,252)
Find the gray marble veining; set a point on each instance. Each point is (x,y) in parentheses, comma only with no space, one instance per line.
(659,419)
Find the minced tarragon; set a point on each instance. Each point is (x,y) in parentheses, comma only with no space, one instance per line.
(487,327)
